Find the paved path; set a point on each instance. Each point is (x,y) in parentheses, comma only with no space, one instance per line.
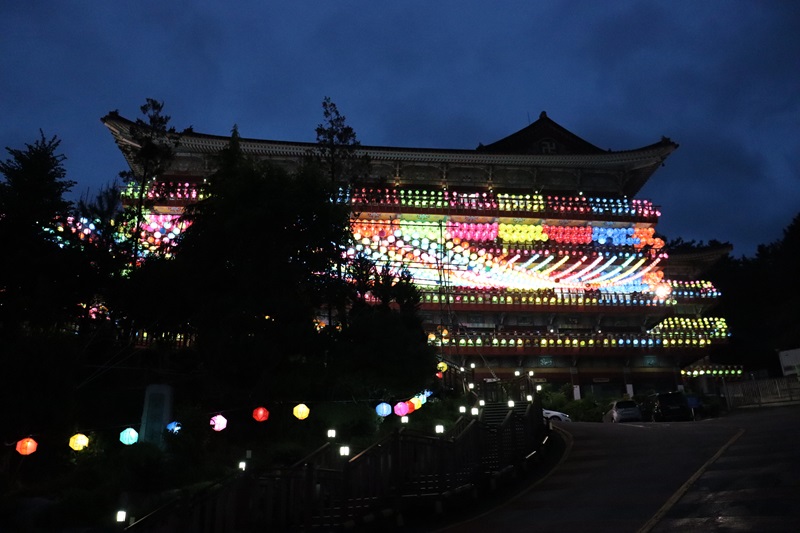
(736,473)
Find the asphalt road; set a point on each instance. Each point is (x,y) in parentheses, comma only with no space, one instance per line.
(739,472)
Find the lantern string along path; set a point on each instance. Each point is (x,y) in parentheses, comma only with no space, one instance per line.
(129,436)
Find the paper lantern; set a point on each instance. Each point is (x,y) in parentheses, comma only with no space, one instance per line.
(401,409)
(383,409)
(174,427)
(218,422)
(410,406)
(78,442)
(301,411)
(26,446)
(129,436)
(442,367)
(416,401)
(260,414)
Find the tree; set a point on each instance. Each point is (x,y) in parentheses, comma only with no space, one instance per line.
(37,287)
(255,263)
(337,145)
(150,155)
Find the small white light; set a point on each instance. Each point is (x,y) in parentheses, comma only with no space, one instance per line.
(472,366)
(404,420)
(462,409)
(439,428)
(529,398)
(481,402)
(538,388)
(331,433)
(474,411)
(242,465)
(516,373)
(511,403)
(461,369)
(530,372)
(121,515)
(344,451)
(471,386)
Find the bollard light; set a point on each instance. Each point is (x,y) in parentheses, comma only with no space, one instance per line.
(516,373)
(242,465)
(344,451)
(404,420)
(439,428)
(331,433)
(471,386)
(121,515)
(472,366)
(474,411)
(530,373)
(481,402)
(462,409)
(510,403)
(529,398)
(538,388)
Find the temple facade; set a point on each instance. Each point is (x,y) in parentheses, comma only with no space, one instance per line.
(533,254)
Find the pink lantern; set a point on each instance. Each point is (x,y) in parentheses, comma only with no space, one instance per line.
(260,414)
(218,422)
(26,446)
(401,409)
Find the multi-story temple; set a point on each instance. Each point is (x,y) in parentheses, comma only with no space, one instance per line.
(533,254)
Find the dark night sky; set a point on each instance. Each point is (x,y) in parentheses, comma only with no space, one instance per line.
(720,78)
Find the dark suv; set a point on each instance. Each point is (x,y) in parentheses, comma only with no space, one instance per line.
(667,407)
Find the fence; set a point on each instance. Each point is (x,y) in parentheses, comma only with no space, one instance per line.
(762,392)
(327,492)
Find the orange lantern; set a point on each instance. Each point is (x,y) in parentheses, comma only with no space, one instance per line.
(26,446)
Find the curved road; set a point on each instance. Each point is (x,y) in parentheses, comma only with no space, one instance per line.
(740,472)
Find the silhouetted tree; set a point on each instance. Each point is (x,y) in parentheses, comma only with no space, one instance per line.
(155,142)
(37,275)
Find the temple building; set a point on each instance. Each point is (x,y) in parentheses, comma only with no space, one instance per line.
(533,254)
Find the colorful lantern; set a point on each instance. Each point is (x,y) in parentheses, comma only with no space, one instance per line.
(218,422)
(383,409)
(410,407)
(401,409)
(78,442)
(174,427)
(301,411)
(129,436)
(26,446)
(416,401)
(260,414)
(442,367)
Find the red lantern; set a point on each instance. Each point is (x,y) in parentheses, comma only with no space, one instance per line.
(260,414)
(26,446)
(411,407)
(439,375)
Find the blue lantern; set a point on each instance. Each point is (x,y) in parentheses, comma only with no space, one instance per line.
(174,427)
(129,436)
(383,409)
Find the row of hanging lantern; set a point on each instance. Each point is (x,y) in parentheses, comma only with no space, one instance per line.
(712,326)
(687,339)
(130,436)
(602,299)
(398,232)
(714,371)
(488,200)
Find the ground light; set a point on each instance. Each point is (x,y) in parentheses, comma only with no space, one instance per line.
(331,433)
(242,465)
(121,515)
(439,429)
(344,451)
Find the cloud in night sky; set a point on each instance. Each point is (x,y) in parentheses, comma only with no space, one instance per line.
(722,79)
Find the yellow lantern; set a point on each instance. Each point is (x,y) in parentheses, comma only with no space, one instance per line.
(301,411)
(442,367)
(78,442)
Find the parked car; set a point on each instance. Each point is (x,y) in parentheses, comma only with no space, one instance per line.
(556,416)
(623,411)
(667,407)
